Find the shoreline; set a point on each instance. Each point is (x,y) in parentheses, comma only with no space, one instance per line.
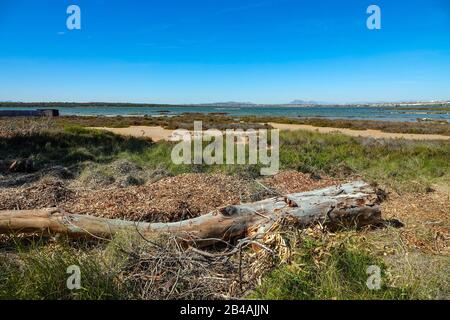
(158,133)
(368,133)
(382,112)
(400,104)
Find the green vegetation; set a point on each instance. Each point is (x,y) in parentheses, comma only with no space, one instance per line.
(384,126)
(69,146)
(39,271)
(320,268)
(336,267)
(221,121)
(183,121)
(340,274)
(399,164)
(405,165)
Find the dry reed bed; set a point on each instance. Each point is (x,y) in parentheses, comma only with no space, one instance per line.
(169,199)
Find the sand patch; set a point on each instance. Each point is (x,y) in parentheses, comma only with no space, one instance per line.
(158,133)
(369,133)
(155,133)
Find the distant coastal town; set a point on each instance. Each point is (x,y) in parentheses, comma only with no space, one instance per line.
(295,103)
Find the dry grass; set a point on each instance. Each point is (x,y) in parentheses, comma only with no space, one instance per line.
(415,257)
(426,217)
(11,127)
(384,126)
(165,269)
(169,199)
(293,182)
(47,192)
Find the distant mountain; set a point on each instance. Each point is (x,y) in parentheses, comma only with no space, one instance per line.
(306,102)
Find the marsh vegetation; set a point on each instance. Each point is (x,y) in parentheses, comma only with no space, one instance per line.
(309,264)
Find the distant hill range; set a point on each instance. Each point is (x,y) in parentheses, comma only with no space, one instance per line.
(305,102)
(231,104)
(227,104)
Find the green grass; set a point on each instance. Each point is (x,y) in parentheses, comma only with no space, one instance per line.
(400,164)
(220,122)
(182,121)
(38,271)
(341,273)
(403,164)
(321,267)
(384,126)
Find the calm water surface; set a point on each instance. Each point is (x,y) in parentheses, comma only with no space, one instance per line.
(350,112)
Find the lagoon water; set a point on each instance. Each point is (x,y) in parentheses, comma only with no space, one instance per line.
(338,112)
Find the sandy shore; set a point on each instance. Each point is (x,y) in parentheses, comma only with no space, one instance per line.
(159,133)
(155,133)
(378,134)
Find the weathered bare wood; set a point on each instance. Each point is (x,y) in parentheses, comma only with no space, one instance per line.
(350,204)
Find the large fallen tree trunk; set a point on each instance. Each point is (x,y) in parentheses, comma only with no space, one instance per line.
(349,204)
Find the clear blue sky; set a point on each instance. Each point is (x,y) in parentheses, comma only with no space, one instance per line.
(264,51)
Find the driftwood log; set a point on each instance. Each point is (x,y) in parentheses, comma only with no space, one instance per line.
(354,203)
